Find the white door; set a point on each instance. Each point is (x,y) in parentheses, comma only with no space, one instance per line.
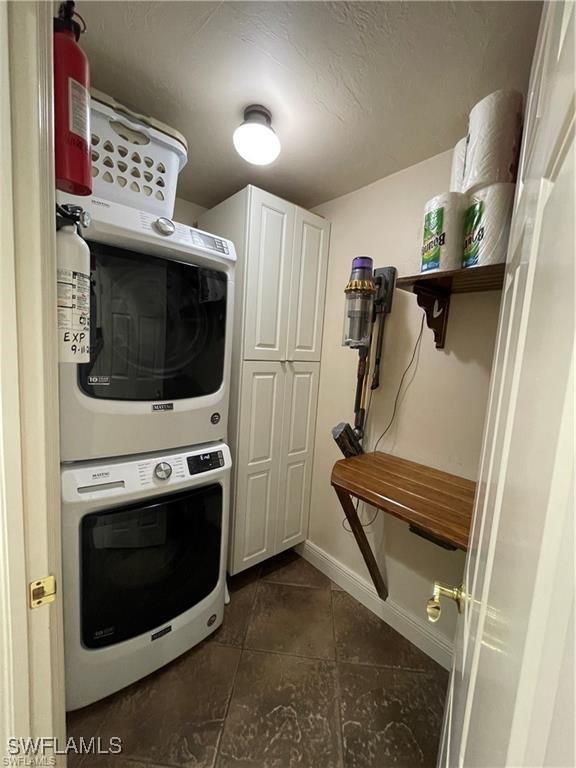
(258,463)
(509,701)
(269,267)
(299,421)
(308,286)
(31,639)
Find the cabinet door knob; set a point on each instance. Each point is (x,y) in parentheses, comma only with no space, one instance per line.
(434,608)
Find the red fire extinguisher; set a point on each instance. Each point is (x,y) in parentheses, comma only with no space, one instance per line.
(71,105)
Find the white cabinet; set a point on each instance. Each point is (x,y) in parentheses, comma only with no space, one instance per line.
(257,463)
(307,286)
(280,290)
(285,284)
(268,273)
(299,420)
(274,459)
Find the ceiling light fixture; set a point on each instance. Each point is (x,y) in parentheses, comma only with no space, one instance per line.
(255,139)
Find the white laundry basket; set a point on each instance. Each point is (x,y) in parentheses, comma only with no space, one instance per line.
(135,159)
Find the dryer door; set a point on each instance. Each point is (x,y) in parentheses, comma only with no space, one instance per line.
(144,564)
(157,327)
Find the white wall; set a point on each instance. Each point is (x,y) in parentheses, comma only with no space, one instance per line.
(441,416)
(186,212)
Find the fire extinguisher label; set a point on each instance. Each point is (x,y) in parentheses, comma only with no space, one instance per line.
(79,110)
(74,316)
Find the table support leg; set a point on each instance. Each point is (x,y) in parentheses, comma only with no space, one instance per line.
(363,543)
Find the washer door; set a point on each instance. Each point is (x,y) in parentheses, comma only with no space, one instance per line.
(157,328)
(144,564)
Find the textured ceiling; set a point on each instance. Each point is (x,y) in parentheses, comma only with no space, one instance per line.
(357,90)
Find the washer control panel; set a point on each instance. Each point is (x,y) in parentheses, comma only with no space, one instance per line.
(154,472)
(203,462)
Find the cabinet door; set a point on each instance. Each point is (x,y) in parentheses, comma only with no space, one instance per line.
(257,464)
(268,270)
(299,419)
(308,286)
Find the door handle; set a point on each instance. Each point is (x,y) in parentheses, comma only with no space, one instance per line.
(434,608)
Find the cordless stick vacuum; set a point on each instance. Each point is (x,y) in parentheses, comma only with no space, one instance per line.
(369,295)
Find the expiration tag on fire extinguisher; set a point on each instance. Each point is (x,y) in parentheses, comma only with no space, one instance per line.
(79,110)
(73,289)
(73,316)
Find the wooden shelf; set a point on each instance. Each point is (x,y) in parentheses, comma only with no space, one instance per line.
(435,504)
(469,280)
(433,291)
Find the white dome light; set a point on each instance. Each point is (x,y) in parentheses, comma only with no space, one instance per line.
(255,139)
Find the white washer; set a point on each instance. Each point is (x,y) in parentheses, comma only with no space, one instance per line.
(144,550)
(162,297)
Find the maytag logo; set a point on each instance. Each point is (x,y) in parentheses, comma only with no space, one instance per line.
(100,475)
(162,632)
(162,406)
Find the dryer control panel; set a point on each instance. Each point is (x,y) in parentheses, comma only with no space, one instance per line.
(124,226)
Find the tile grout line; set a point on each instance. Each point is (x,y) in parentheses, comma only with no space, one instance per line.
(292,584)
(217,753)
(291,655)
(335,660)
(376,665)
(337,684)
(251,613)
(155,763)
(226,712)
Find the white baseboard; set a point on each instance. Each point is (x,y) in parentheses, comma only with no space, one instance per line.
(417,631)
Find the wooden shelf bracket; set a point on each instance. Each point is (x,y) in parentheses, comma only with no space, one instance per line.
(433,290)
(435,304)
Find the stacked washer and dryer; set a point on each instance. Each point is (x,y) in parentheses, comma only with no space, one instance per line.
(145,464)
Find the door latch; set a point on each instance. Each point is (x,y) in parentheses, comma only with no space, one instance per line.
(433,607)
(42,591)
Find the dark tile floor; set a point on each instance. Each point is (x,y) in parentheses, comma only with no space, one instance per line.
(300,675)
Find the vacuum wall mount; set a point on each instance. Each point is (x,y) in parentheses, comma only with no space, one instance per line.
(369,295)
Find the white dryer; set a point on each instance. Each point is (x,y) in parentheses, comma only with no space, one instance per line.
(160,337)
(144,551)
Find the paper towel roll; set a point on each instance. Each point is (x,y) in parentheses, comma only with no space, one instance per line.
(458,161)
(442,239)
(487,225)
(494,133)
